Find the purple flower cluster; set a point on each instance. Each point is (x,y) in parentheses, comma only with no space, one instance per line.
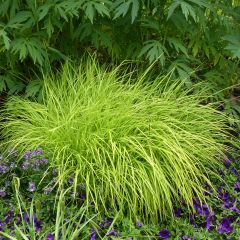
(218,215)
(10,218)
(225,226)
(164,234)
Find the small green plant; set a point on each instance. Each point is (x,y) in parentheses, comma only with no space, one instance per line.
(69,219)
(136,147)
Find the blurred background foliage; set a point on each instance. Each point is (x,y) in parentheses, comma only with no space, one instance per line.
(198,40)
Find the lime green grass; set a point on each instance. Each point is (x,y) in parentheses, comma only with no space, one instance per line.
(138,147)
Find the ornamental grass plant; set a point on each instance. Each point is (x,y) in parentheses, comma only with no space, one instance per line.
(138,145)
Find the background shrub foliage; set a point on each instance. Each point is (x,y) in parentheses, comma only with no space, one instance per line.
(183,35)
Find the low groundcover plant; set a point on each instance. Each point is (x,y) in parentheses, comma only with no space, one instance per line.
(138,147)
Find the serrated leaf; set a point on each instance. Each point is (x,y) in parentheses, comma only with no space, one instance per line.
(49,26)
(33,88)
(6,39)
(14,85)
(174,42)
(186,8)
(122,9)
(154,50)
(3,86)
(233,45)
(216,59)
(43,11)
(89,11)
(151,23)
(196,48)
(135,9)
(172,8)
(206,50)
(19,19)
(101,8)
(29,46)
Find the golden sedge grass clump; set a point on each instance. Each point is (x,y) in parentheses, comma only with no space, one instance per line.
(139,147)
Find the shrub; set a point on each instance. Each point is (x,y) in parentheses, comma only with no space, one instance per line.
(181,34)
(138,147)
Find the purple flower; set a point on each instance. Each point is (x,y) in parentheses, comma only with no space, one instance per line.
(47,190)
(93,234)
(38,225)
(235,171)
(209,221)
(225,226)
(2,223)
(139,224)
(26,219)
(177,212)
(164,233)
(109,223)
(31,187)
(3,192)
(237,187)
(229,204)
(235,209)
(224,196)
(49,236)
(228,162)
(38,151)
(4,168)
(192,220)
(27,155)
(25,165)
(221,173)
(9,213)
(186,238)
(112,233)
(44,161)
(13,165)
(203,209)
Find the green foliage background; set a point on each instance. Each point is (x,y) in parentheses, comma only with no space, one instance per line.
(198,39)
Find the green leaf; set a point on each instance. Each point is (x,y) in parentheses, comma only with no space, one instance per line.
(89,11)
(196,48)
(14,85)
(3,86)
(135,9)
(122,8)
(151,24)
(233,45)
(19,19)
(29,46)
(176,43)
(6,39)
(172,8)
(102,8)
(154,50)
(33,88)
(43,11)
(186,8)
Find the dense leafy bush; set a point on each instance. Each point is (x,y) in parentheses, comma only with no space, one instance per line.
(184,35)
(138,147)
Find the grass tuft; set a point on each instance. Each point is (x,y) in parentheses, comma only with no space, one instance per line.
(139,147)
